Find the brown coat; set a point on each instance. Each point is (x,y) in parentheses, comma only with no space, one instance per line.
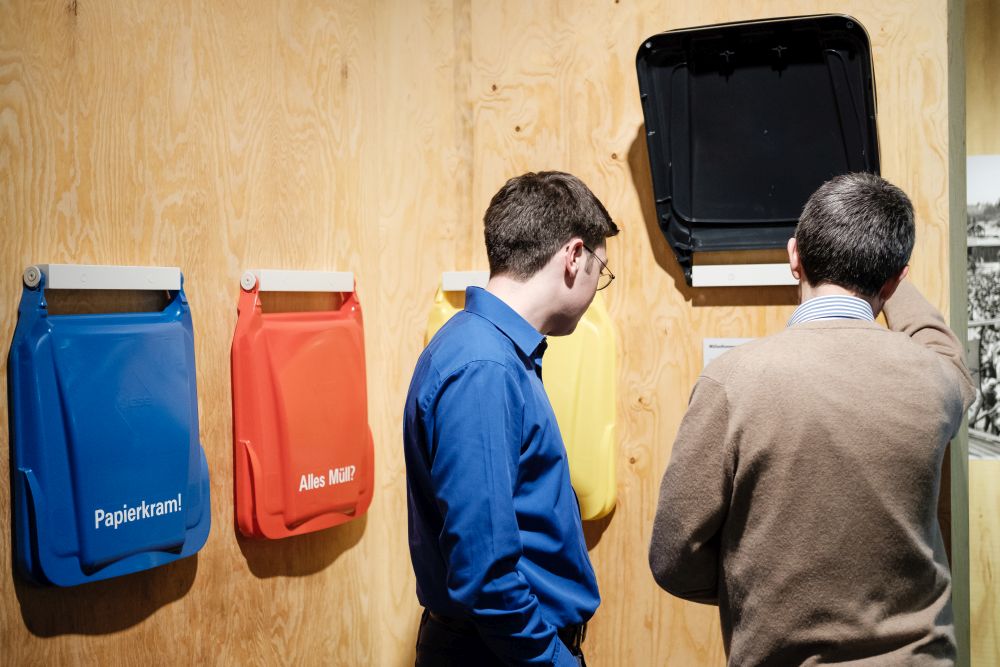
(802,491)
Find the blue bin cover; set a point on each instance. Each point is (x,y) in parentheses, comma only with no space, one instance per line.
(109,476)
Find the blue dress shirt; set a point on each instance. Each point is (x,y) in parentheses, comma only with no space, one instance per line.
(495,529)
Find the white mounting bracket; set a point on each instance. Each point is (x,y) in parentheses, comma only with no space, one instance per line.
(741,275)
(100,276)
(277,280)
(457,281)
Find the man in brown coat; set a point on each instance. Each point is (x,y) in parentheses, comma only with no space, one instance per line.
(802,489)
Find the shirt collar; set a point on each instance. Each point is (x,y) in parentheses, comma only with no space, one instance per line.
(524,336)
(832,307)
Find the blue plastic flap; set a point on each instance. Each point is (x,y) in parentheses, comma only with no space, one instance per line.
(109,474)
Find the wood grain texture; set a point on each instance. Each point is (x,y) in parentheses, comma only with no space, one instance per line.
(982,57)
(370,136)
(984,553)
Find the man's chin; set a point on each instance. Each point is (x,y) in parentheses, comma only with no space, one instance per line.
(564,329)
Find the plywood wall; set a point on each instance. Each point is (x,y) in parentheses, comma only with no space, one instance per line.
(982,56)
(369,136)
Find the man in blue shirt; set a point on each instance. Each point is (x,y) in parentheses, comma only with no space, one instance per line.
(496,538)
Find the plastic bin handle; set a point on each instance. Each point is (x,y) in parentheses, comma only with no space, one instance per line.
(457,281)
(275,280)
(97,276)
(741,275)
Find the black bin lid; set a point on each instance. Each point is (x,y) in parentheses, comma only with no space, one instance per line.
(745,120)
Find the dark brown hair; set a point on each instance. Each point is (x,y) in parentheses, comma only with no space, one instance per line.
(856,231)
(534,214)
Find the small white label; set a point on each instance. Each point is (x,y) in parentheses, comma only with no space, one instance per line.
(712,348)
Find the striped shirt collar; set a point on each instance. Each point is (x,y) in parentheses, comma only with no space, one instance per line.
(833,307)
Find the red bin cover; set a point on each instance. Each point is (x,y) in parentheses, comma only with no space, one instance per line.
(302,447)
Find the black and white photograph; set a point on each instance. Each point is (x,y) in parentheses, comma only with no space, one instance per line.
(983,233)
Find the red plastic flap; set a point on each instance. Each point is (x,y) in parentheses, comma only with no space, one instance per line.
(302,445)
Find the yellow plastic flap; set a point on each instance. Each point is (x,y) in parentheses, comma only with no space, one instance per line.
(580,379)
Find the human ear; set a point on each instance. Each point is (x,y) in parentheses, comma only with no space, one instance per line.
(890,285)
(793,258)
(574,256)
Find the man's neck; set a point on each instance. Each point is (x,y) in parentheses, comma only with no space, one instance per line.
(807,292)
(528,298)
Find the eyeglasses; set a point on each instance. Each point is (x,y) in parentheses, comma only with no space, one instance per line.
(606,276)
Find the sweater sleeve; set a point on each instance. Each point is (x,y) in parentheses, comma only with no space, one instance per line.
(694,497)
(910,313)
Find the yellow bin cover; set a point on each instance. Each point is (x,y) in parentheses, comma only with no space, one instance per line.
(580,379)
